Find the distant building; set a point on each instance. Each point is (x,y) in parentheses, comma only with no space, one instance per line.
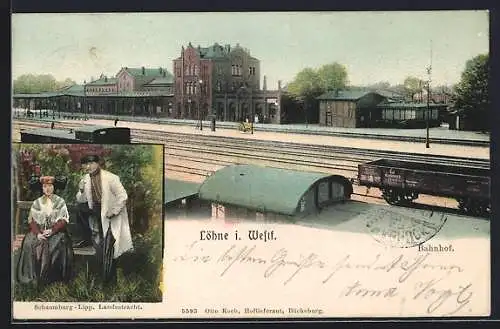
(365,109)
(134,91)
(223,81)
(348,108)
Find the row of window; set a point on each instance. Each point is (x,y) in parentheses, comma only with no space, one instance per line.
(100,89)
(408,114)
(192,87)
(236,70)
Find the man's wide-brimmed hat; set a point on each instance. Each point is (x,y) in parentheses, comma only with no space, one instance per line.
(89,158)
(47,179)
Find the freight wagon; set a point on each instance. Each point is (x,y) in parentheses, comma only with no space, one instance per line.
(85,134)
(401,182)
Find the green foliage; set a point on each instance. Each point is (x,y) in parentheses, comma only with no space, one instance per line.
(332,76)
(471,93)
(138,278)
(310,83)
(139,167)
(31,83)
(413,86)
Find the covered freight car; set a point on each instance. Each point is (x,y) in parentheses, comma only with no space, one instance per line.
(86,134)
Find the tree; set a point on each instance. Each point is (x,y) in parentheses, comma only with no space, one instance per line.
(307,83)
(332,76)
(471,93)
(31,83)
(66,83)
(381,85)
(413,86)
(310,83)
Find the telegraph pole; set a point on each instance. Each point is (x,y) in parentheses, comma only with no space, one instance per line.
(429,72)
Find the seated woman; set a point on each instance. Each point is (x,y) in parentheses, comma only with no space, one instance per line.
(46,252)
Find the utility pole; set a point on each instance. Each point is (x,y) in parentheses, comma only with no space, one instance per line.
(429,72)
(199,107)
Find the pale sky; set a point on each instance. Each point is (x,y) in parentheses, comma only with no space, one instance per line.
(374,46)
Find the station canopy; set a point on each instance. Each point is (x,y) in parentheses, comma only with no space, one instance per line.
(259,188)
(177,190)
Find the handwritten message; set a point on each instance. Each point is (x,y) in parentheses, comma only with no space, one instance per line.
(342,273)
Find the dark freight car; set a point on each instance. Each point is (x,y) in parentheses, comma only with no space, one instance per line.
(401,182)
(84,134)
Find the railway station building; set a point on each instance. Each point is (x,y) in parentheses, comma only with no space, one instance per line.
(133,91)
(223,81)
(369,109)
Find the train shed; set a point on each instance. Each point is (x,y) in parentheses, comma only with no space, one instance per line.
(181,199)
(256,192)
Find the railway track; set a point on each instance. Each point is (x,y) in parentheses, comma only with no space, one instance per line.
(223,151)
(199,156)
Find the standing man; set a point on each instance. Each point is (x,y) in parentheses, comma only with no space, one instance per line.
(106,198)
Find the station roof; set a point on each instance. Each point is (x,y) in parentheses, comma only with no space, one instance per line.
(149,72)
(177,189)
(161,81)
(263,189)
(343,95)
(91,128)
(409,105)
(38,95)
(103,81)
(57,133)
(74,90)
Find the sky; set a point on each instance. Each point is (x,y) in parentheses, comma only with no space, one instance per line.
(373,46)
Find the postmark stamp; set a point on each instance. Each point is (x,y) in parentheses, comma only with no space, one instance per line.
(402,228)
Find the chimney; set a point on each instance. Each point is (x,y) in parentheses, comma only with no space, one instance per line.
(143,71)
(264,84)
(161,70)
(228,48)
(337,92)
(164,74)
(105,79)
(279,84)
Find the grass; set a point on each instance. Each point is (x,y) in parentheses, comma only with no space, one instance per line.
(138,279)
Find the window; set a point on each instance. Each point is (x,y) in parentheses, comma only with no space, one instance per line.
(186,70)
(435,114)
(323,192)
(302,204)
(219,86)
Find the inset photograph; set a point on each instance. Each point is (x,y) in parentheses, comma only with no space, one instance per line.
(87,222)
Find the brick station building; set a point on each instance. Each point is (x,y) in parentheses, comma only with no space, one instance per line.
(223,81)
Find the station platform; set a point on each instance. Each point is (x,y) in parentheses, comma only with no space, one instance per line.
(441,135)
(475,152)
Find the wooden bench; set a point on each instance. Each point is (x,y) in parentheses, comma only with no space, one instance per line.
(18,238)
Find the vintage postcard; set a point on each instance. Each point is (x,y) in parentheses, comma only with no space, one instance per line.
(317,164)
(87,229)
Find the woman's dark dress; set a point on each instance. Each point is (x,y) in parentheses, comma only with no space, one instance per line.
(50,260)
